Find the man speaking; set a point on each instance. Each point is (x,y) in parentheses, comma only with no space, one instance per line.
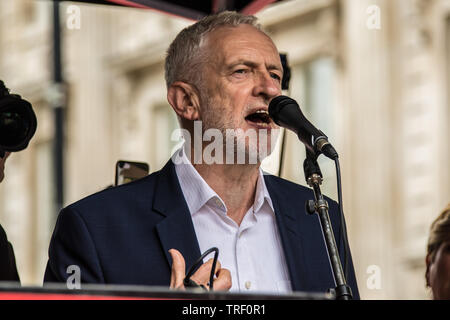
(221,74)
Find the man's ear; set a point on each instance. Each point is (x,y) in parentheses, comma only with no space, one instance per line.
(184,100)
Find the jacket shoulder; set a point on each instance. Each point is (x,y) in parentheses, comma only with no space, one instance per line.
(286,185)
(138,192)
(291,190)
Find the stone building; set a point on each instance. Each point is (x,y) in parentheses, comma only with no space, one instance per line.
(372,74)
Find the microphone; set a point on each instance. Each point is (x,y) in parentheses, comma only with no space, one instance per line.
(286,113)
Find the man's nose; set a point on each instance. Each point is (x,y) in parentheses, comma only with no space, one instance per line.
(267,86)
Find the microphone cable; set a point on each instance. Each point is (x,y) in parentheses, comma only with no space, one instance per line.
(190,283)
(342,227)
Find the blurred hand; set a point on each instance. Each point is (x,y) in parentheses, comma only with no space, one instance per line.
(201,276)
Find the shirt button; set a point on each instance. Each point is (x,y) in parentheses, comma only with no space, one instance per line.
(248,284)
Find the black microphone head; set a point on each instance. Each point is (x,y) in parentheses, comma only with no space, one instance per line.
(286,113)
(277,104)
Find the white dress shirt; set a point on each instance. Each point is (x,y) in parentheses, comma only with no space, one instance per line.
(252,251)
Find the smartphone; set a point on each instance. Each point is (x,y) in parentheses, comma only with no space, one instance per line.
(127,171)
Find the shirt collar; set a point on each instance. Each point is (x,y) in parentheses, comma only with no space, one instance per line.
(198,193)
(261,194)
(195,189)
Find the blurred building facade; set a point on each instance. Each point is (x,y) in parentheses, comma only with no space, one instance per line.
(372,74)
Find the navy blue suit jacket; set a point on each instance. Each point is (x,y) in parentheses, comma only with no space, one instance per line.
(122,235)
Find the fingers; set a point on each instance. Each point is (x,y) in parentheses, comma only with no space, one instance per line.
(223,281)
(178,269)
(201,276)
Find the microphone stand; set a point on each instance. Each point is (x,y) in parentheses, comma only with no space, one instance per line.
(314,179)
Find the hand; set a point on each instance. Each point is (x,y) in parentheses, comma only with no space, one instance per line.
(201,276)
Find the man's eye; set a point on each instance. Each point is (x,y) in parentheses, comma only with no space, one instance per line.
(240,71)
(275,76)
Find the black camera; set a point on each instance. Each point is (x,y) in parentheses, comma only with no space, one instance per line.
(17,122)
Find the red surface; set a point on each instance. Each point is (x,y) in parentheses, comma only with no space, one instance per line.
(61,296)
(141,6)
(250,9)
(256,6)
(129,3)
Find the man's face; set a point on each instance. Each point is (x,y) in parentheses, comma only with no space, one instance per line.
(439,272)
(242,74)
(2,166)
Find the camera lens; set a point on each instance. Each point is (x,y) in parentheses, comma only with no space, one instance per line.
(14,129)
(17,123)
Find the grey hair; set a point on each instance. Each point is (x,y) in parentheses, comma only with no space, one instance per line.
(184,56)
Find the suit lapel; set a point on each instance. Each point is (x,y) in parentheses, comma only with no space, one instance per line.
(176,230)
(288,222)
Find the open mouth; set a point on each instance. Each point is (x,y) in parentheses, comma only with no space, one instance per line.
(259,118)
